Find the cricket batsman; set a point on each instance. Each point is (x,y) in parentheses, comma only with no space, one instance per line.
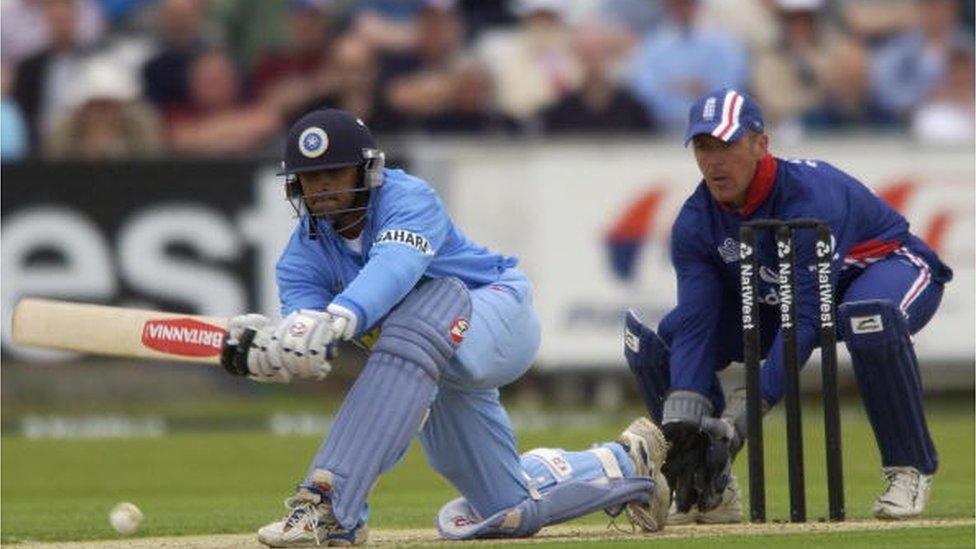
(888,286)
(375,258)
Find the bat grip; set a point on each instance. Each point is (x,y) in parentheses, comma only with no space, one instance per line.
(233,357)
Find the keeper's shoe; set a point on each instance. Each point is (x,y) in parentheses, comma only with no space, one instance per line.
(310,523)
(729,511)
(647,447)
(907,493)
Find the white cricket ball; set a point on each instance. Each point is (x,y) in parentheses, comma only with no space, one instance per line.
(125,518)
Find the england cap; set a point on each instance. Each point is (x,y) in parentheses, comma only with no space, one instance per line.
(726,114)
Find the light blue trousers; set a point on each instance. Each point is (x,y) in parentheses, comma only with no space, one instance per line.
(468,437)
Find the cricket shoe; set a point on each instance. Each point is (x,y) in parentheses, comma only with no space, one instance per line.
(728,511)
(310,523)
(906,495)
(647,447)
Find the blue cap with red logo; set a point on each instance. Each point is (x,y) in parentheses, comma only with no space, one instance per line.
(725,114)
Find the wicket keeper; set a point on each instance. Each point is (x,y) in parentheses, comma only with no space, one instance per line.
(375,256)
(888,286)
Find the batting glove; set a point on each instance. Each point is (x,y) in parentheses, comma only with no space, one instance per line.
(300,346)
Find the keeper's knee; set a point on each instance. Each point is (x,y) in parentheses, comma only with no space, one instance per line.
(871,324)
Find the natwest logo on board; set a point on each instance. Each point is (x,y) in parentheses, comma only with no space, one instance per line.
(183,337)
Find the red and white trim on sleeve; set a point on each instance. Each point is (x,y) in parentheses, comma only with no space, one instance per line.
(731,107)
(863,254)
(922,282)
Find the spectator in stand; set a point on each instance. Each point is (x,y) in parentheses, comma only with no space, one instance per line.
(908,68)
(483,15)
(623,22)
(871,22)
(417,83)
(634,17)
(13,128)
(440,36)
(401,11)
(751,22)
(45,81)
(252,28)
(533,65)
(309,39)
(216,119)
(119,12)
(469,105)
(165,75)
(601,104)
(948,115)
(348,82)
(812,74)
(434,87)
(385,25)
(24,28)
(109,121)
(681,61)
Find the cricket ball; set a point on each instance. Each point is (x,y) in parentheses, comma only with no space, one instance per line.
(125,518)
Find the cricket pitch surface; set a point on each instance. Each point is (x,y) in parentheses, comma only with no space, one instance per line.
(563,533)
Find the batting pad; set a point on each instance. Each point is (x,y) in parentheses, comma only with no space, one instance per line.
(878,338)
(565,501)
(386,406)
(647,356)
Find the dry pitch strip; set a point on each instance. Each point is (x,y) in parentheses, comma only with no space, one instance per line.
(563,533)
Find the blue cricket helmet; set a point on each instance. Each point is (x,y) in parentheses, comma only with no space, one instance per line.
(325,139)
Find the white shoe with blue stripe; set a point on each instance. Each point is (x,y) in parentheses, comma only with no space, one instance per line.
(310,523)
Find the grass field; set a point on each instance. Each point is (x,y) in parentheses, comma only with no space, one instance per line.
(213,483)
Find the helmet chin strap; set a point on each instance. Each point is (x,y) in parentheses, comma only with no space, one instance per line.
(301,207)
(358,220)
(299,202)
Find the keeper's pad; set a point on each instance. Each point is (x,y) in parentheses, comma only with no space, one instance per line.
(879,340)
(386,406)
(647,356)
(567,500)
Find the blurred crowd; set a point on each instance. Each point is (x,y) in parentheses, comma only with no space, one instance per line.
(99,79)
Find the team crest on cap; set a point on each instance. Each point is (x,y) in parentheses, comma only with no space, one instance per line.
(708,112)
(313,142)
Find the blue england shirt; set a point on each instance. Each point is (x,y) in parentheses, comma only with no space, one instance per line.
(407,235)
(704,251)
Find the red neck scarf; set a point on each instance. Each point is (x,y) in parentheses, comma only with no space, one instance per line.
(759,188)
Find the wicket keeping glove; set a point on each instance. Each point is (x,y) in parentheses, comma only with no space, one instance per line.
(735,415)
(698,463)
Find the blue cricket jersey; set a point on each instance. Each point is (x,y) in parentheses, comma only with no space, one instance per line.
(704,251)
(407,235)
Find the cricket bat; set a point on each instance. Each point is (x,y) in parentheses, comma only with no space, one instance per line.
(118,331)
